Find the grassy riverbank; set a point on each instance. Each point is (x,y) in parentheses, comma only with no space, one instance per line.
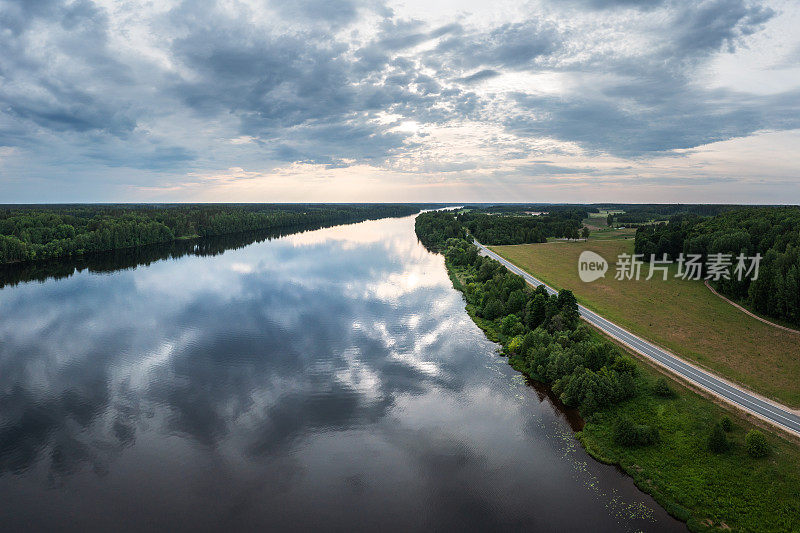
(709,491)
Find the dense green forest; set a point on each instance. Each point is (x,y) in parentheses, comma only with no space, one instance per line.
(634,215)
(30,233)
(522,229)
(542,334)
(772,232)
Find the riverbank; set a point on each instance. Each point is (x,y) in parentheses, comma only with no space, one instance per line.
(709,491)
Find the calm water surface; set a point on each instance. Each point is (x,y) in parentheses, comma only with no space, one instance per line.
(329,379)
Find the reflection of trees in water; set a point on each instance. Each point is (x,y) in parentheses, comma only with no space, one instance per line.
(123,259)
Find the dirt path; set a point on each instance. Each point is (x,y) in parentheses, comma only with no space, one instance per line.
(740,308)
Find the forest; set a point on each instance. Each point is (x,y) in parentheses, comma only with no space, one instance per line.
(772,232)
(562,222)
(33,233)
(542,334)
(637,214)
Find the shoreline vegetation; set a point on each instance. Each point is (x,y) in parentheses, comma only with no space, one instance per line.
(37,233)
(705,464)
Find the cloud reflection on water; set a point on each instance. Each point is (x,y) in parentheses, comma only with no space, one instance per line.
(315,371)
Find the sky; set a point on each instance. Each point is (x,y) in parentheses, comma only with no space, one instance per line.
(415,101)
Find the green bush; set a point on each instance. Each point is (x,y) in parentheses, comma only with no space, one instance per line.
(726,424)
(493,309)
(511,326)
(756,444)
(625,432)
(647,435)
(662,388)
(628,433)
(516,345)
(535,313)
(516,302)
(717,441)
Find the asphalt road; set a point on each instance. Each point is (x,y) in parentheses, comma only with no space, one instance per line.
(768,411)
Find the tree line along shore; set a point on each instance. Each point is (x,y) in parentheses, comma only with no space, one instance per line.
(34,233)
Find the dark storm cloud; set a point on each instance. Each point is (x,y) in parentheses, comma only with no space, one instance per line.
(69,109)
(300,93)
(282,81)
(77,29)
(66,98)
(17,15)
(144,157)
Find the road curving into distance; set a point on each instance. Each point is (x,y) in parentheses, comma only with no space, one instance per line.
(773,413)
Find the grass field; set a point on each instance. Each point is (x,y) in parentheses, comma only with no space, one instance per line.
(682,316)
(598,225)
(596,221)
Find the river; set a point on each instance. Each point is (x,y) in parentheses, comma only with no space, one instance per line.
(329,379)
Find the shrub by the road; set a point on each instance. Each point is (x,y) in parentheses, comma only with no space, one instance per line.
(756,444)
(718,441)
(662,389)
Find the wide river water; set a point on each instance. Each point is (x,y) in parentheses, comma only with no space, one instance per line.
(329,379)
